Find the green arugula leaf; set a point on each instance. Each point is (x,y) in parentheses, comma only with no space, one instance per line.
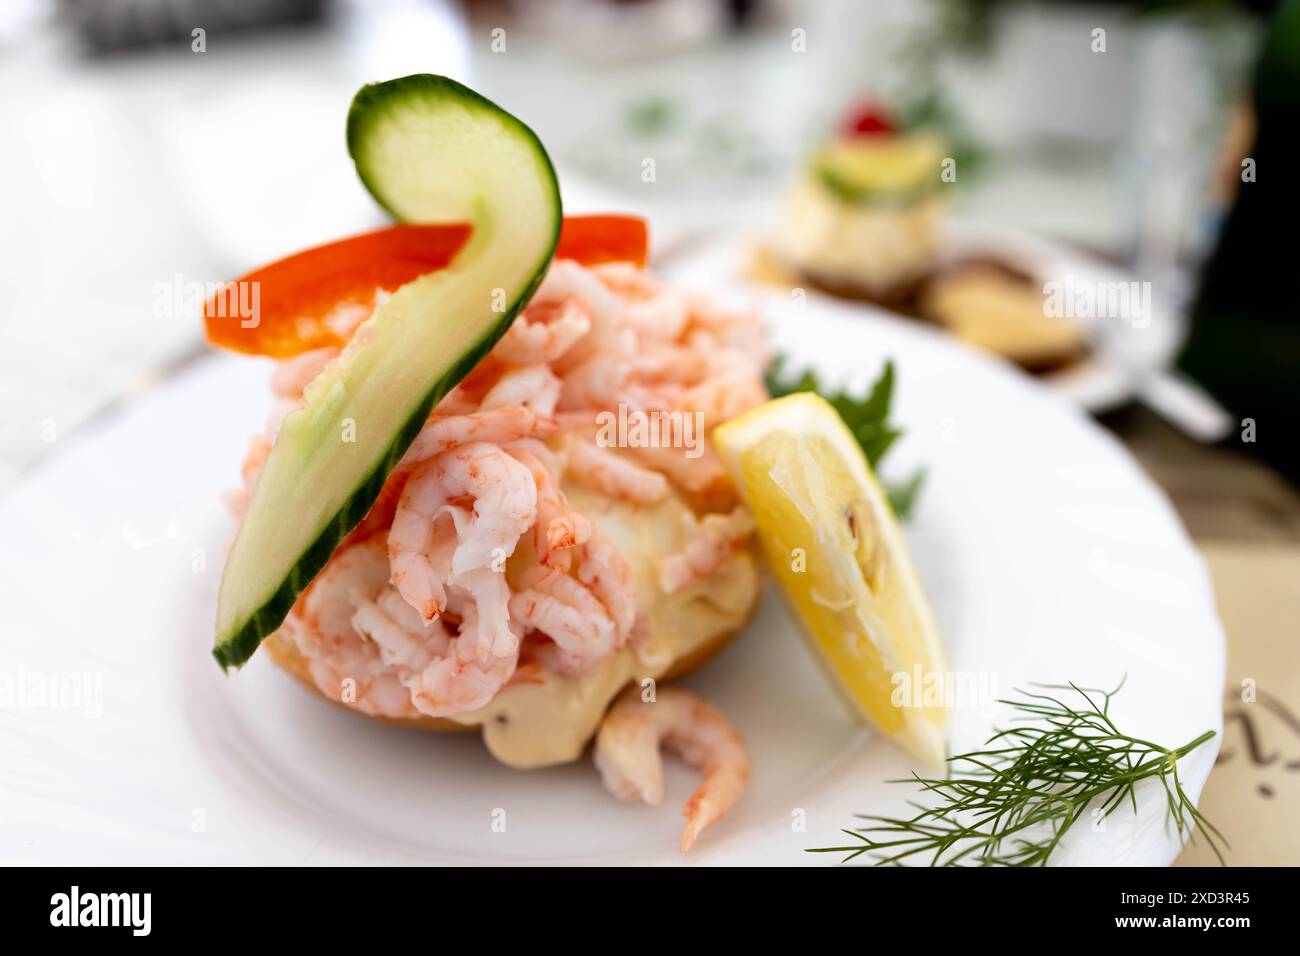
(902,494)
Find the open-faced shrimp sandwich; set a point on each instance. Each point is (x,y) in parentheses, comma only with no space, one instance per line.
(486,497)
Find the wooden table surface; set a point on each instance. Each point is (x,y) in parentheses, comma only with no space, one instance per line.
(1245,519)
(1220,493)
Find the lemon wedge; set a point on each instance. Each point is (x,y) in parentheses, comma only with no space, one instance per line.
(837,552)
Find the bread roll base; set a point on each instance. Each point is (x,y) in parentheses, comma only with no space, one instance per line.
(285,654)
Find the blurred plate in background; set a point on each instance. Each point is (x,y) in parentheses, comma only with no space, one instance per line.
(1122,349)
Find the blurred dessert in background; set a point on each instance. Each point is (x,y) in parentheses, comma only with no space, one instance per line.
(865,221)
(997,307)
(864,214)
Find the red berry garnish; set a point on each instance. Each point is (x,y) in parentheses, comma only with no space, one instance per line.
(867,118)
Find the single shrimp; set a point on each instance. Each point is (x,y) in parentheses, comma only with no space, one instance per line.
(583,421)
(419,569)
(713,326)
(462,681)
(343,665)
(405,642)
(669,362)
(652,397)
(560,533)
(627,753)
(602,567)
(447,434)
(720,398)
(258,450)
(564,532)
(729,362)
(558,528)
(567,612)
(459,401)
(569,284)
(502,501)
(600,381)
(491,594)
(748,342)
(444,674)
(236,502)
(254,460)
(703,478)
(292,375)
(496,425)
(613,475)
(709,547)
(543,333)
(553,458)
(649,306)
(535,387)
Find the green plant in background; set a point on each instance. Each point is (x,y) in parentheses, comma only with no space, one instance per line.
(921,102)
(968,25)
(931,110)
(651,116)
(719,141)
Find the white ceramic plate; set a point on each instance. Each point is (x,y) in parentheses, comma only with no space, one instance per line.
(1046,552)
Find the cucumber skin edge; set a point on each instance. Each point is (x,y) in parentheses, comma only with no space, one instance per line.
(236,649)
(374,95)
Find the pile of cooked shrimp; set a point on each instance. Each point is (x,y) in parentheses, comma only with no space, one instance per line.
(444,630)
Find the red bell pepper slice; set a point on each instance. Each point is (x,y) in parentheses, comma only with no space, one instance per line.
(592,240)
(301,302)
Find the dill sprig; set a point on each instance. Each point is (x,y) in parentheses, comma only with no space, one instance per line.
(1011,805)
